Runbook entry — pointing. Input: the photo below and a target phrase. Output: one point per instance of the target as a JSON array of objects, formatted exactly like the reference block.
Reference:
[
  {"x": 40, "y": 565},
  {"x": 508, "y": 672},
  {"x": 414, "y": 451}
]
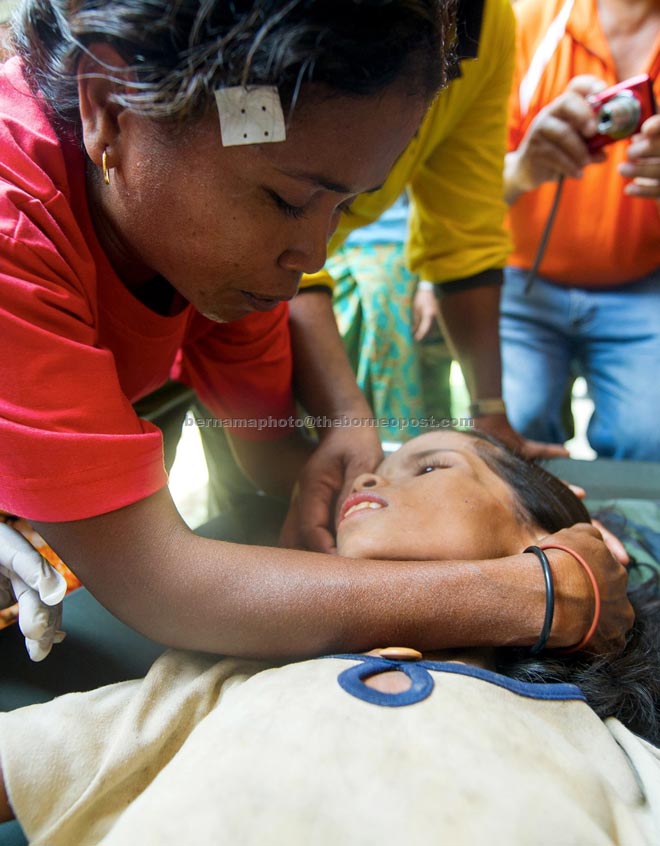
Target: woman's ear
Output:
[{"x": 99, "y": 77}]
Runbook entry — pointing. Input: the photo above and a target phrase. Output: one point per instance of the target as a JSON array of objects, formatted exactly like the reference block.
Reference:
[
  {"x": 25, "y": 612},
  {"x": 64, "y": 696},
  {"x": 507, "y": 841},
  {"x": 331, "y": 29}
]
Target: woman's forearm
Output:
[
  {"x": 273, "y": 466},
  {"x": 325, "y": 382},
  {"x": 349, "y": 444},
  {"x": 185, "y": 591}
]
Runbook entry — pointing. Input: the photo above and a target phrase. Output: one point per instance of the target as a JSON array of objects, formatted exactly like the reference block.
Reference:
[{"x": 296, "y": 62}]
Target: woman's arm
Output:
[
  {"x": 149, "y": 569},
  {"x": 326, "y": 386},
  {"x": 273, "y": 466},
  {"x": 470, "y": 322}
]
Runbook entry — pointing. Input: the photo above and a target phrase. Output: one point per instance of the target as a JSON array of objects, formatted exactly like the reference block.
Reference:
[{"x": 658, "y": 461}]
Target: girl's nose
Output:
[{"x": 367, "y": 480}]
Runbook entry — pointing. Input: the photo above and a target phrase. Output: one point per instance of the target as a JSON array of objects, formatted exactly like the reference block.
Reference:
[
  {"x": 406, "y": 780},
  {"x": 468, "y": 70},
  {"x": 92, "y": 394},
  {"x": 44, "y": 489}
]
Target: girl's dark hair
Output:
[
  {"x": 180, "y": 51},
  {"x": 625, "y": 686}
]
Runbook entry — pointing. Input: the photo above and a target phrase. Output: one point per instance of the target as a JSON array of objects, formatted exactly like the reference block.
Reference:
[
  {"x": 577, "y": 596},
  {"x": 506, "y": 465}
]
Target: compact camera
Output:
[{"x": 621, "y": 110}]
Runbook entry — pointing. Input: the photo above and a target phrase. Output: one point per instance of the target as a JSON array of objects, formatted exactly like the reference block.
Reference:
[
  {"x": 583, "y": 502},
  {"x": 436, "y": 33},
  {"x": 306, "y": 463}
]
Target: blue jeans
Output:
[{"x": 609, "y": 336}]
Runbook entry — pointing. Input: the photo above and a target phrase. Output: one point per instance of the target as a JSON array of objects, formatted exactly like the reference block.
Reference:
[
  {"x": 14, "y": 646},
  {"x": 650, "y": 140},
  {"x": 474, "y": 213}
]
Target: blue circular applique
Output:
[{"x": 352, "y": 681}]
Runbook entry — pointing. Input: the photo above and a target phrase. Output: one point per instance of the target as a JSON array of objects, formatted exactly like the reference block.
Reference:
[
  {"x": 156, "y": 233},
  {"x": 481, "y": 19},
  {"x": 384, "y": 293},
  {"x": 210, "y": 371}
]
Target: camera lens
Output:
[{"x": 620, "y": 116}]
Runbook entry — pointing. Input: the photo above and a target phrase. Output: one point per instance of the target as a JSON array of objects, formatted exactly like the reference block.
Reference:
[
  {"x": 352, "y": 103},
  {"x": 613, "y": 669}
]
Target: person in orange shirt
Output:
[{"x": 593, "y": 306}]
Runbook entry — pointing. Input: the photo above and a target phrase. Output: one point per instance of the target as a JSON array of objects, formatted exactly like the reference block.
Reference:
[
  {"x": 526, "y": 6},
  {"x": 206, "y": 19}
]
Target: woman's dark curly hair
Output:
[
  {"x": 625, "y": 686},
  {"x": 180, "y": 51}
]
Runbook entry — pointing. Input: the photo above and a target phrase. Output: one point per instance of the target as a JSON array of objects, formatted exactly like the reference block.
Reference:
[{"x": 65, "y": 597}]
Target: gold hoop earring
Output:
[{"x": 104, "y": 167}]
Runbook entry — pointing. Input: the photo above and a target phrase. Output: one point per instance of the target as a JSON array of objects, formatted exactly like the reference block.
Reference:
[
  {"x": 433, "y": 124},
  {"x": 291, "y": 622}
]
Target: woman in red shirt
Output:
[{"x": 168, "y": 173}]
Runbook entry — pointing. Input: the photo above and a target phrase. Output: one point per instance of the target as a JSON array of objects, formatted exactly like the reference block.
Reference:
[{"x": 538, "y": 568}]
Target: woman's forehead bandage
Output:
[{"x": 250, "y": 115}]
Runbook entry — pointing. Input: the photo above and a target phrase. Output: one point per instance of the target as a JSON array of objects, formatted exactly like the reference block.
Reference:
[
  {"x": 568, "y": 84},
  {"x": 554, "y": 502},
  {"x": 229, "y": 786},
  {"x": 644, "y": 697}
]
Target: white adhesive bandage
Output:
[{"x": 250, "y": 115}]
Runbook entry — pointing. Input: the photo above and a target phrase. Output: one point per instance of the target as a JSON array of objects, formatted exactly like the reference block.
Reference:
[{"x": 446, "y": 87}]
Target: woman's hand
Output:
[
  {"x": 613, "y": 543},
  {"x": 326, "y": 388},
  {"x": 26, "y": 577},
  {"x": 574, "y": 607},
  {"x": 343, "y": 454}
]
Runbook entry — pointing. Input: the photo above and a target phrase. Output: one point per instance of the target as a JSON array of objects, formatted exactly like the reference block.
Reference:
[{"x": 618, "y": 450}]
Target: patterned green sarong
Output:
[{"x": 403, "y": 380}]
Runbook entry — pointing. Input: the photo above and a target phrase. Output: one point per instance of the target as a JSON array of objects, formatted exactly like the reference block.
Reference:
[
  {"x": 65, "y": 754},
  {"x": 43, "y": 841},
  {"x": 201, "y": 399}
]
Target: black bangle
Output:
[{"x": 539, "y": 646}]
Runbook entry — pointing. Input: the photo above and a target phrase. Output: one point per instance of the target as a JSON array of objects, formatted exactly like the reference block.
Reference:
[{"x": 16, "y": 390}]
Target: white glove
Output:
[{"x": 38, "y": 588}]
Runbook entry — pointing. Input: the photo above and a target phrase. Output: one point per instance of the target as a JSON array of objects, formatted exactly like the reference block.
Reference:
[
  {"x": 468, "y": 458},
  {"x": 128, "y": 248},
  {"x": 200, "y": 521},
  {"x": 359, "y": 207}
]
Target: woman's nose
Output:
[
  {"x": 309, "y": 250},
  {"x": 367, "y": 480},
  {"x": 306, "y": 260}
]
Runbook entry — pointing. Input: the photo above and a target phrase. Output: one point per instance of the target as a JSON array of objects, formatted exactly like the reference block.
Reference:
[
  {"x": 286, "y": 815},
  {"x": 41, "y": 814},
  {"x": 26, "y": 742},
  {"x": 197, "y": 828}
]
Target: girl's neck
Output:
[{"x": 483, "y": 657}]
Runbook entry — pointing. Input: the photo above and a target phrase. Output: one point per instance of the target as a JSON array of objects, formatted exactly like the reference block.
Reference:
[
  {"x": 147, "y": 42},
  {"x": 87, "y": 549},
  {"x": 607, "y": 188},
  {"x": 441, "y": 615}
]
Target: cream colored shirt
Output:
[{"x": 230, "y": 752}]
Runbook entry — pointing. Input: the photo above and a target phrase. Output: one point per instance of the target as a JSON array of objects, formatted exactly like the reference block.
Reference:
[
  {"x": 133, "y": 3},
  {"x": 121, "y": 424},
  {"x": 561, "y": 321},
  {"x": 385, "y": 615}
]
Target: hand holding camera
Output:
[{"x": 572, "y": 131}]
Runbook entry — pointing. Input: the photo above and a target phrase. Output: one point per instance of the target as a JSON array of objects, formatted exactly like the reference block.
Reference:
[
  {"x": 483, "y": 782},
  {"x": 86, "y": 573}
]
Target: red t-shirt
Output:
[{"x": 79, "y": 348}]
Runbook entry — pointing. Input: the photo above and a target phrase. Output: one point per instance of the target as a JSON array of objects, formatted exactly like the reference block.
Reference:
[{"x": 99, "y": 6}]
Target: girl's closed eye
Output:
[{"x": 428, "y": 465}]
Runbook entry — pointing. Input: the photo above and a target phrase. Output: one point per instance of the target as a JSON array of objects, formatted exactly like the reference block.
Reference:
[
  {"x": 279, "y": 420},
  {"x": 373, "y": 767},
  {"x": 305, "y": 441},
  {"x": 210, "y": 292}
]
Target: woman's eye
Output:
[{"x": 287, "y": 208}]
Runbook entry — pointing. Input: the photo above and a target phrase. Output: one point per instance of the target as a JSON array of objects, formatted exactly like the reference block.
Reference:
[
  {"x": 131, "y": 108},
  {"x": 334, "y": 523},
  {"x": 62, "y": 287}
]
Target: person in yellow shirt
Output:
[{"x": 452, "y": 171}]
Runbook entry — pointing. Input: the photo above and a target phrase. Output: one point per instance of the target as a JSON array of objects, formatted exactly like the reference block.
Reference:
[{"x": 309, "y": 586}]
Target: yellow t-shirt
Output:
[{"x": 452, "y": 169}]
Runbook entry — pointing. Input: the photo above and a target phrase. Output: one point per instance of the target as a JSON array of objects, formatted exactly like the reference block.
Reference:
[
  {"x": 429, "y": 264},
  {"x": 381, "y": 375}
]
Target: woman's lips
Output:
[
  {"x": 261, "y": 303},
  {"x": 358, "y": 502}
]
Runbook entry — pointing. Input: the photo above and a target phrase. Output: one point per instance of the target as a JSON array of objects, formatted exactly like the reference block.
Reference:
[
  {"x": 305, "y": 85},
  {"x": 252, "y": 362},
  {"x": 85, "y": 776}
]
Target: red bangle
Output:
[{"x": 587, "y": 569}]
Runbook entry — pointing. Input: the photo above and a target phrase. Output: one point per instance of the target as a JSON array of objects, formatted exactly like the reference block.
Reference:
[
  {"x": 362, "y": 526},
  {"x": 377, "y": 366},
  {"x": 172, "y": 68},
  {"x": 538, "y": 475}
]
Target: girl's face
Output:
[
  {"x": 234, "y": 228},
  {"x": 435, "y": 498}
]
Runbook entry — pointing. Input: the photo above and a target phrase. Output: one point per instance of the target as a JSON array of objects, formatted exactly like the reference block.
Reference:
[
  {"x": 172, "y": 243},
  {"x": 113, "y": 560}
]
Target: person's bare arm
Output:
[
  {"x": 323, "y": 378},
  {"x": 273, "y": 465},
  {"x": 151, "y": 571},
  {"x": 326, "y": 386},
  {"x": 470, "y": 321}
]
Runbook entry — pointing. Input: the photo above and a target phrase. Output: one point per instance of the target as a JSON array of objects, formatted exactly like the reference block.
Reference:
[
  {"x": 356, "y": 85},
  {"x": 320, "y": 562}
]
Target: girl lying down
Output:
[{"x": 391, "y": 747}]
